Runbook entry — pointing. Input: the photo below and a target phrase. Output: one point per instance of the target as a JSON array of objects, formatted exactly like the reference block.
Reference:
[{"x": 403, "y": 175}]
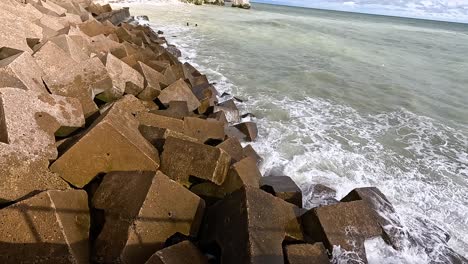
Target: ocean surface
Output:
[{"x": 346, "y": 100}]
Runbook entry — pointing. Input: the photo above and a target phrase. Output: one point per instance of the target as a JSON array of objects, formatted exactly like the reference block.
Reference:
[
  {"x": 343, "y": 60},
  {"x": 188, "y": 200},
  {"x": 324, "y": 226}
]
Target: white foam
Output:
[{"x": 424, "y": 174}]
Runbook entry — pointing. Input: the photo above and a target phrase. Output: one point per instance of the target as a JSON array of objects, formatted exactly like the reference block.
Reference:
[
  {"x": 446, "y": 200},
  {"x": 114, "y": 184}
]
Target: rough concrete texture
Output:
[
  {"x": 29, "y": 120},
  {"x": 112, "y": 143},
  {"x": 125, "y": 79},
  {"x": 306, "y": 254},
  {"x": 51, "y": 227},
  {"x": 182, "y": 159},
  {"x": 21, "y": 71},
  {"x": 182, "y": 253},
  {"x": 141, "y": 212},
  {"x": 177, "y": 91}
]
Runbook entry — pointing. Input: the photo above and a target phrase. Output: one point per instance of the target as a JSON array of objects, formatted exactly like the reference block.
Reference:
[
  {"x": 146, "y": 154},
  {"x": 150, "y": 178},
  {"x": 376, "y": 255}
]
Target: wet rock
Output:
[
  {"x": 258, "y": 223},
  {"x": 282, "y": 187},
  {"x": 182, "y": 159},
  {"x": 249, "y": 151},
  {"x": 249, "y": 129},
  {"x": 306, "y": 254},
  {"x": 174, "y": 51},
  {"x": 112, "y": 143},
  {"x": 232, "y": 147},
  {"x": 203, "y": 129},
  {"x": 30, "y": 120},
  {"x": 192, "y": 70},
  {"x": 346, "y": 225},
  {"x": 141, "y": 206},
  {"x": 386, "y": 214},
  {"x": 230, "y": 110},
  {"x": 179, "y": 91},
  {"x": 182, "y": 253},
  {"x": 234, "y": 132},
  {"x": 242, "y": 173},
  {"x": 220, "y": 116},
  {"x": 125, "y": 79},
  {"x": 115, "y": 17},
  {"x": 21, "y": 71},
  {"x": 50, "y": 227},
  {"x": 321, "y": 195}
]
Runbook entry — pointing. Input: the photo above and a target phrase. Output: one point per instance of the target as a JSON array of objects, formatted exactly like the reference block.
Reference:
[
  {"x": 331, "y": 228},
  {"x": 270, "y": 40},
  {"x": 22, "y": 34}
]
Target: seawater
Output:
[{"x": 346, "y": 100}]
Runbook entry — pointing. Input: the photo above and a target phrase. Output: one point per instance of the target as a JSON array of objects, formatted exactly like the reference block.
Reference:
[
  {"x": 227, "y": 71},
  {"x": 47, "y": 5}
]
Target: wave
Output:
[{"x": 420, "y": 164}]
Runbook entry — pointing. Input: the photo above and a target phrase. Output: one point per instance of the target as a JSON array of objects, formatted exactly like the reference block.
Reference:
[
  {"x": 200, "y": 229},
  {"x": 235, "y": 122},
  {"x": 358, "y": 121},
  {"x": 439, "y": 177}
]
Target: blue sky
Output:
[{"x": 448, "y": 10}]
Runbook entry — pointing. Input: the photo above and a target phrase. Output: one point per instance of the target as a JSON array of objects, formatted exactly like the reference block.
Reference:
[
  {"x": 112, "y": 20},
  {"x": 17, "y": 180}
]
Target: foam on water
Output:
[{"x": 419, "y": 163}]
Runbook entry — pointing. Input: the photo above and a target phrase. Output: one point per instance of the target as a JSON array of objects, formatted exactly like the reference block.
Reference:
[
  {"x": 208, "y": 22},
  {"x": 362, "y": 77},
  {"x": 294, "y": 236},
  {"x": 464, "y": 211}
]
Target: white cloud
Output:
[{"x": 450, "y": 10}]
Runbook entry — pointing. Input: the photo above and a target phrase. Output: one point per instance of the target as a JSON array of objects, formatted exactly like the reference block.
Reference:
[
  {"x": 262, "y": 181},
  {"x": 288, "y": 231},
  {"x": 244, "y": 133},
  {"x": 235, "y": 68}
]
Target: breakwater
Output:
[{"x": 154, "y": 149}]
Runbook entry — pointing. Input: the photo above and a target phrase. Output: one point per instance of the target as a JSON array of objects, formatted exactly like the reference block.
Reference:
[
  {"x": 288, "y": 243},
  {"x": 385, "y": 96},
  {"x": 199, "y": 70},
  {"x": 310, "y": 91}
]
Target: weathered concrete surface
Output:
[
  {"x": 67, "y": 44},
  {"x": 182, "y": 253},
  {"x": 155, "y": 120},
  {"x": 306, "y": 254},
  {"x": 346, "y": 225},
  {"x": 234, "y": 148},
  {"x": 242, "y": 173},
  {"x": 176, "y": 109},
  {"x": 115, "y": 17},
  {"x": 152, "y": 82},
  {"x": 51, "y": 227},
  {"x": 182, "y": 159},
  {"x": 179, "y": 91},
  {"x": 282, "y": 187},
  {"x": 249, "y": 129},
  {"x": 22, "y": 174},
  {"x": 112, "y": 143},
  {"x": 29, "y": 120},
  {"x": 66, "y": 77},
  {"x": 17, "y": 27},
  {"x": 230, "y": 110},
  {"x": 125, "y": 79},
  {"x": 203, "y": 129},
  {"x": 386, "y": 214},
  {"x": 21, "y": 71},
  {"x": 249, "y": 151},
  {"x": 250, "y": 226},
  {"x": 142, "y": 210}
]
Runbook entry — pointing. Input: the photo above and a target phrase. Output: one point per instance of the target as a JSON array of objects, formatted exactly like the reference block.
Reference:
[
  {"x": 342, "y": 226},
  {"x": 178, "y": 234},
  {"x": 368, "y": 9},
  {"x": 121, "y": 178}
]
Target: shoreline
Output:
[{"x": 175, "y": 136}]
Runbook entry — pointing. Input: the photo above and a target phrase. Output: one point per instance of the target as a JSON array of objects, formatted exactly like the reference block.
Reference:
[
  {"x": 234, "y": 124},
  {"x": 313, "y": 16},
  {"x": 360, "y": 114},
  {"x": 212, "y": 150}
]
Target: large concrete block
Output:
[
  {"x": 230, "y": 110},
  {"x": 176, "y": 109},
  {"x": 387, "y": 217},
  {"x": 22, "y": 174},
  {"x": 21, "y": 71},
  {"x": 204, "y": 129},
  {"x": 125, "y": 79},
  {"x": 234, "y": 148},
  {"x": 30, "y": 120},
  {"x": 179, "y": 91},
  {"x": 346, "y": 225},
  {"x": 153, "y": 80},
  {"x": 160, "y": 121},
  {"x": 16, "y": 28},
  {"x": 182, "y": 159},
  {"x": 74, "y": 50},
  {"x": 66, "y": 77},
  {"x": 51, "y": 227},
  {"x": 112, "y": 143},
  {"x": 93, "y": 28},
  {"x": 282, "y": 187},
  {"x": 306, "y": 254},
  {"x": 250, "y": 226},
  {"x": 242, "y": 173},
  {"x": 249, "y": 129},
  {"x": 142, "y": 210},
  {"x": 182, "y": 253}
]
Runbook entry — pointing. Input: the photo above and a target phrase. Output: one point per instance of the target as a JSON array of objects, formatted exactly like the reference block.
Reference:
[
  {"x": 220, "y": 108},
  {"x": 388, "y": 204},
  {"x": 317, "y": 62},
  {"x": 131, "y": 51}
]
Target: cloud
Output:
[{"x": 449, "y": 10}]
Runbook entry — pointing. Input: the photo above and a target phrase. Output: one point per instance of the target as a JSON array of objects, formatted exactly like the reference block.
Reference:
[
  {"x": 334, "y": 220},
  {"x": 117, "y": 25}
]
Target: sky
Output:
[{"x": 446, "y": 10}]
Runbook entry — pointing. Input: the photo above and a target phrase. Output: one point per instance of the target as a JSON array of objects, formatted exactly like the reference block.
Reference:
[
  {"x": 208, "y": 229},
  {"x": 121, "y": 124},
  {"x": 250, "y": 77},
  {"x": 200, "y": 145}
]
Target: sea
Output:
[{"x": 345, "y": 100}]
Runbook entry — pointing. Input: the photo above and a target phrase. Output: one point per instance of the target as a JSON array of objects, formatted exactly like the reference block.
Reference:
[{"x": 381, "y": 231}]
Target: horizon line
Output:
[{"x": 266, "y": 2}]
